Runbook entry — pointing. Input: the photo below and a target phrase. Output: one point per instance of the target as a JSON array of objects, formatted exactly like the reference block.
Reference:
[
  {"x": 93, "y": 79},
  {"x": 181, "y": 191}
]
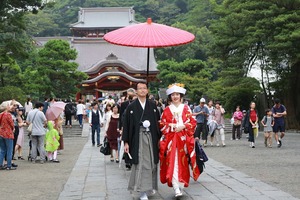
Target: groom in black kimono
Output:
[{"x": 141, "y": 135}]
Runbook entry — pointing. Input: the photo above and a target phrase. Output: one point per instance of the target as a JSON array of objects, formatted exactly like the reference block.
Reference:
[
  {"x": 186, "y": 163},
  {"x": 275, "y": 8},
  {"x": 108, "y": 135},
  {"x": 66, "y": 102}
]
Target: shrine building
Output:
[{"x": 109, "y": 67}]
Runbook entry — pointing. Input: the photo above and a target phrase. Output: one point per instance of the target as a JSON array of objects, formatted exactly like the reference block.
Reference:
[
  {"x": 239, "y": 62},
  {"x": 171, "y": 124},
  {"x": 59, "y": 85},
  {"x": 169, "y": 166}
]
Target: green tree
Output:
[
  {"x": 201, "y": 12},
  {"x": 41, "y": 24},
  {"x": 195, "y": 74},
  {"x": 198, "y": 49},
  {"x": 54, "y": 73},
  {"x": 263, "y": 33},
  {"x": 14, "y": 42},
  {"x": 9, "y": 72},
  {"x": 232, "y": 89},
  {"x": 12, "y": 92}
]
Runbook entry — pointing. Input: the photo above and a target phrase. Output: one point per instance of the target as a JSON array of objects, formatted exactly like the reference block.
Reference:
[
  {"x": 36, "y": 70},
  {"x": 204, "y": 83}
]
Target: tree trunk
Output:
[
  {"x": 292, "y": 99},
  {"x": 262, "y": 70}
]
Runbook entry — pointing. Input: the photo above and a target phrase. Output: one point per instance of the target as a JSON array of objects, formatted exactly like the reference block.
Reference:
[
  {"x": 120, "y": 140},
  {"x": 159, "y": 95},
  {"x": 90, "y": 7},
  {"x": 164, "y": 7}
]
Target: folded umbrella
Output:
[
  {"x": 121, "y": 153},
  {"x": 212, "y": 126}
]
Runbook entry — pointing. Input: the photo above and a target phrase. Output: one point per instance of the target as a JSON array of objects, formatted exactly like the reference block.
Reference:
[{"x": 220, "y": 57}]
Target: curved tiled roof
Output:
[
  {"x": 98, "y": 17},
  {"x": 105, "y": 74},
  {"x": 91, "y": 55}
]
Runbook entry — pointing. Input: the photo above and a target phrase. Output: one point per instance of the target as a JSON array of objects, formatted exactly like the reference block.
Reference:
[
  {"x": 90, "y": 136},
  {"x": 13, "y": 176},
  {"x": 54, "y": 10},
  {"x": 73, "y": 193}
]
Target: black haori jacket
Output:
[{"x": 131, "y": 127}]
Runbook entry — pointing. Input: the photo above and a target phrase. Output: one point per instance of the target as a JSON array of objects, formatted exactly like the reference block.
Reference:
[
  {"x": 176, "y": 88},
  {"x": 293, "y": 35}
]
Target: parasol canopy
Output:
[
  {"x": 149, "y": 35},
  {"x": 55, "y": 110}
]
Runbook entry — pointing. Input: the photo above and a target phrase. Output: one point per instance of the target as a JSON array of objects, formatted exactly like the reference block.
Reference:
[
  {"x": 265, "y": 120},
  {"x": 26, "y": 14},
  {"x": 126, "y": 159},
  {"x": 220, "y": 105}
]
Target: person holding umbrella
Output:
[{"x": 177, "y": 143}]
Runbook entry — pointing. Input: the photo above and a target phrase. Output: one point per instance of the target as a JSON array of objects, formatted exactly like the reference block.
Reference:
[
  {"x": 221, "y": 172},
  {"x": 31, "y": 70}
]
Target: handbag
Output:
[
  {"x": 201, "y": 156},
  {"x": 237, "y": 122},
  {"x": 105, "y": 148},
  {"x": 29, "y": 129}
]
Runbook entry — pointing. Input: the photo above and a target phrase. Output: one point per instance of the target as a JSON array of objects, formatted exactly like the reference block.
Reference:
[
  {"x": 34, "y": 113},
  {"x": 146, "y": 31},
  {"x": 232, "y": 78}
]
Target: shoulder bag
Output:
[{"x": 29, "y": 129}]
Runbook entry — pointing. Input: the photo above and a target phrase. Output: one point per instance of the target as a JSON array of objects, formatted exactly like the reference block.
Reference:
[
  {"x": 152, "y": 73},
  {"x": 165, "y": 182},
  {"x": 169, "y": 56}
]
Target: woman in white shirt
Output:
[
  {"x": 108, "y": 112},
  {"x": 28, "y": 106},
  {"x": 79, "y": 111}
]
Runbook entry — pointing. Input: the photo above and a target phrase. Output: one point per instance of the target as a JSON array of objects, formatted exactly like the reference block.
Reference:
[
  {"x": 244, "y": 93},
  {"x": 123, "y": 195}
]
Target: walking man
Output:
[
  {"x": 201, "y": 112},
  {"x": 38, "y": 120},
  {"x": 141, "y": 135},
  {"x": 96, "y": 121},
  {"x": 279, "y": 111}
]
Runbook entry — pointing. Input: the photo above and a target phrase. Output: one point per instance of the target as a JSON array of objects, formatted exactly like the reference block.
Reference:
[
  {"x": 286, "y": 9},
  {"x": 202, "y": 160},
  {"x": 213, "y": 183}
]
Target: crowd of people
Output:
[
  {"x": 177, "y": 127},
  {"x": 248, "y": 122},
  {"x": 153, "y": 132},
  {"x": 45, "y": 136}
]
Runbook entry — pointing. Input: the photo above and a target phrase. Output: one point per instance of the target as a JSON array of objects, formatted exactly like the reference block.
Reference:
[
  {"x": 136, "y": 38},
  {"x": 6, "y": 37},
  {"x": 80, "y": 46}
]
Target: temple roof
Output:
[
  {"x": 95, "y": 52},
  {"x": 104, "y": 17},
  {"x": 91, "y": 55},
  {"x": 106, "y": 74}
]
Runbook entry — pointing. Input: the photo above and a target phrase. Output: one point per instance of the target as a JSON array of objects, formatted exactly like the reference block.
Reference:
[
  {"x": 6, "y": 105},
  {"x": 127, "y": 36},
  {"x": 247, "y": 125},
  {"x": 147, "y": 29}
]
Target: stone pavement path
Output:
[{"x": 95, "y": 177}]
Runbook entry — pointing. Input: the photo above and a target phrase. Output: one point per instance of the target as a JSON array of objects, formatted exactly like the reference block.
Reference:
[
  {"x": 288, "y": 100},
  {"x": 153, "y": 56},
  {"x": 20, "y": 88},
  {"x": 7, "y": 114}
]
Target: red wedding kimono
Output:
[{"x": 182, "y": 141}]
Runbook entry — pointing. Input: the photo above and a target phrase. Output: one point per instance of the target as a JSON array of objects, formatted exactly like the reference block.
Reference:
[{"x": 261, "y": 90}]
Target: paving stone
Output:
[{"x": 95, "y": 177}]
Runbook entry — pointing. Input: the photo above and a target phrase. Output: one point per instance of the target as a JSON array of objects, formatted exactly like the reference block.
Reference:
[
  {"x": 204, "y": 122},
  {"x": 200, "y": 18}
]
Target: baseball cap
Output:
[{"x": 202, "y": 100}]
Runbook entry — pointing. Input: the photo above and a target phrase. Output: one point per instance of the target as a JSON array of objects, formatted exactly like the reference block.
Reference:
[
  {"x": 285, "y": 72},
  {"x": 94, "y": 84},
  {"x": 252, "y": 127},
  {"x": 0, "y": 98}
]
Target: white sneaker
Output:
[
  {"x": 143, "y": 196},
  {"x": 151, "y": 192},
  {"x": 218, "y": 145},
  {"x": 178, "y": 193}
]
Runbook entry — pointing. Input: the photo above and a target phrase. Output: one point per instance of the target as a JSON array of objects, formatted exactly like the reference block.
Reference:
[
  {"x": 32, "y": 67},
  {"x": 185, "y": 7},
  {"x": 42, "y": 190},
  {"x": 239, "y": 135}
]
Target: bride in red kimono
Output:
[{"x": 177, "y": 142}]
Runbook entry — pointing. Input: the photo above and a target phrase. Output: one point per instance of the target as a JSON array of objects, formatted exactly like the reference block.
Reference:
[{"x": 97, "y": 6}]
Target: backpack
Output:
[{"x": 265, "y": 119}]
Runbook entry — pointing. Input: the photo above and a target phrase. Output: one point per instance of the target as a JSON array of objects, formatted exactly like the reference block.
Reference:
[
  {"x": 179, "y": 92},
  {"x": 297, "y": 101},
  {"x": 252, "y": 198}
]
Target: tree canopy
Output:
[
  {"x": 232, "y": 37},
  {"x": 52, "y": 72},
  {"x": 263, "y": 33}
]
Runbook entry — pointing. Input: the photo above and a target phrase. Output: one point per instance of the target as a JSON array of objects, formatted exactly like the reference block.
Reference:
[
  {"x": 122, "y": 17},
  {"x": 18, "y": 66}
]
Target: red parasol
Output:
[{"x": 149, "y": 35}]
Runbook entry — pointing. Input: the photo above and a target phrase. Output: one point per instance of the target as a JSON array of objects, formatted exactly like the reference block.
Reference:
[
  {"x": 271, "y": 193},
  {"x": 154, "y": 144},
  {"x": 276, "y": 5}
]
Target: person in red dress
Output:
[
  {"x": 112, "y": 131},
  {"x": 253, "y": 120},
  {"x": 177, "y": 142}
]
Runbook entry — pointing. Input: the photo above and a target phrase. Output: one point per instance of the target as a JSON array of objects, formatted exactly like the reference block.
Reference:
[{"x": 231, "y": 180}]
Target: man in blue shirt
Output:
[
  {"x": 201, "y": 112},
  {"x": 279, "y": 111}
]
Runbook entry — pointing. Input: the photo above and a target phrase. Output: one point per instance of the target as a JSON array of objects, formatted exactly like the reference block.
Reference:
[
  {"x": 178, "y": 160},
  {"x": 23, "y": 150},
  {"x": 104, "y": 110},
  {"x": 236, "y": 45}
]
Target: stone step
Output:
[
  {"x": 228, "y": 126},
  {"x": 75, "y": 131}
]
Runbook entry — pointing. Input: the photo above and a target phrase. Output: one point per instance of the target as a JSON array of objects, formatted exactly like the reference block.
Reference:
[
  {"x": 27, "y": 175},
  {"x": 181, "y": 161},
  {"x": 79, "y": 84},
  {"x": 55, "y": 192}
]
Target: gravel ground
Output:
[
  {"x": 278, "y": 167},
  {"x": 40, "y": 181}
]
